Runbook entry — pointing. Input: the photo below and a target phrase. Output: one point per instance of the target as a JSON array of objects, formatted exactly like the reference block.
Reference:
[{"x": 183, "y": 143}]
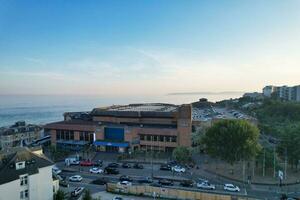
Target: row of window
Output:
[
  {"x": 86, "y": 136},
  {"x": 69, "y": 135},
  {"x": 64, "y": 135},
  {"x": 160, "y": 138}
]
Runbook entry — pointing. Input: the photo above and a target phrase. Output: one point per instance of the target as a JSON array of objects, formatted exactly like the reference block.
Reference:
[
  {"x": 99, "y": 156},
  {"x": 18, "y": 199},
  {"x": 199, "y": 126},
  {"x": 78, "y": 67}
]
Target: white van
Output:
[{"x": 71, "y": 161}]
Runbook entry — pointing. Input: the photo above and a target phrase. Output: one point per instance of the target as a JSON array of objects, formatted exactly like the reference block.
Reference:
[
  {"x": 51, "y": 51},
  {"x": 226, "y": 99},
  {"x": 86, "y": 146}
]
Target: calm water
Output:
[{"x": 45, "y": 109}]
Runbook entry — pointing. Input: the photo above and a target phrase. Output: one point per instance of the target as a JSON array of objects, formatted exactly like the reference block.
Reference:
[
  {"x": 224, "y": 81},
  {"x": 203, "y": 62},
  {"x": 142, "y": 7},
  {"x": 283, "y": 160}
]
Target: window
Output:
[
  {"x": 154, "y": 137},
  {"x": 24, "y": 194},
  {"x": 24, "y": 180},
  {"x": 67, "y": 135},
  {"x": 71, "y": 135},
  {"x": 173, "y": 139},
  {"x": 81, "y": 136},
  {"x": 91, "y": 137},
  {"x": 142, "y": 137},
  {"x": 148, "y": 137},
  {"x": 58, "y": 137},
  {"x": 168, "y": 139},
  {"x": 161, "y": 138}
]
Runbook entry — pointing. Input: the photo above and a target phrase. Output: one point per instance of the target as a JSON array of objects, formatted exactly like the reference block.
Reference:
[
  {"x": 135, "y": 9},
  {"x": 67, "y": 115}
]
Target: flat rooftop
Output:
[
  {"x": 151, "y": 107},
  {"x": 157, "y": 110}
]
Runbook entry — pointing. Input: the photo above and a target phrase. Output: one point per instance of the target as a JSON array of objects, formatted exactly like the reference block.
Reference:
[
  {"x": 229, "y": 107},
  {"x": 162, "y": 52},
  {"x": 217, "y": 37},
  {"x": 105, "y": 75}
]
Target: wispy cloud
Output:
[{"x": 35, "y": 60}]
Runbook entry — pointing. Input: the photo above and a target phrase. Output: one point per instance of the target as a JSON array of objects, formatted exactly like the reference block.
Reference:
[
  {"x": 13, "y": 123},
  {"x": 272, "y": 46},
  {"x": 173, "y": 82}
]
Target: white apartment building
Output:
[
  {"x": 25, "y": 176},
  {"x": 285, "y": 93},
  {"x": 268, "y": 90}
]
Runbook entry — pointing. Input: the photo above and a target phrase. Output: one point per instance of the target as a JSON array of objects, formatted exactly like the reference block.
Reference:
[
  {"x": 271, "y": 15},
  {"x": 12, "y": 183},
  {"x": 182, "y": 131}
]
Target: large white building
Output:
[
  {"x": 268, "y": 90},
  {"x": 25, "y": 175},
  {"x": 285, "y": 93}
]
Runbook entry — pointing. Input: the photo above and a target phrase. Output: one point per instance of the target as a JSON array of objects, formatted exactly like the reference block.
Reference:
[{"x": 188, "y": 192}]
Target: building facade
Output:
[
  {"x": 284, "y": 93},
  {"x": 25, "y": 175},
  {"x": 156, "y": 127},
  {"x": 268, "y": 90},
  {"x": 19, "y": 134}
]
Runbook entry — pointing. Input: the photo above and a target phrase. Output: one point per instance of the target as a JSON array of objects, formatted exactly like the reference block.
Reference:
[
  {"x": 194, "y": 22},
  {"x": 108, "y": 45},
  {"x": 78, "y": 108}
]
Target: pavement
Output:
[{"x": 109, "y": 196}]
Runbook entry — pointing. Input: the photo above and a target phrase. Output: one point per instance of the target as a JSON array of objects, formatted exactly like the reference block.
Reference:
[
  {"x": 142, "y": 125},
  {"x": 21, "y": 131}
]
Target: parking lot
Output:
[{"x": 136, "y": 175}]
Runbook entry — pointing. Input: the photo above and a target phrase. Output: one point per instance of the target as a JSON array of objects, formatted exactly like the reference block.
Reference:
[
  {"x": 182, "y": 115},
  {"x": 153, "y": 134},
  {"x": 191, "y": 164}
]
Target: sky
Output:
[{"x": 147, "y": 47}]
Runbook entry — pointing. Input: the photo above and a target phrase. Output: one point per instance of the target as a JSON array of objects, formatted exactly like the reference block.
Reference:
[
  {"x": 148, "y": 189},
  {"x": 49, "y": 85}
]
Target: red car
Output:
[{"x": 86, "y": 163}]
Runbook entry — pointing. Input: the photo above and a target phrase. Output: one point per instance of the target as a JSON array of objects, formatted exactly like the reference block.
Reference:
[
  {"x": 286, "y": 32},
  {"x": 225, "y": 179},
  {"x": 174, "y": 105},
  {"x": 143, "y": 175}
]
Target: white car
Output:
[
  {"x": 231, "y": 188},
  {"x": 77, "y": 191},
  {"x": 75, "y": 178},
  {"x": 56, "y": 170},
  {"x": 96, "y": 170},
  {"x": 125, "y": 183},
  {"x": 178, "y": 169},
  {"x": 206, "y": 185},
  {"x": 117, "y": 198}
]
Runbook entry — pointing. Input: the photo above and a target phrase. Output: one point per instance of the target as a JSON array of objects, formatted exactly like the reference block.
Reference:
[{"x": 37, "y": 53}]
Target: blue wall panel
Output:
[{"x": 114, "y": 134}]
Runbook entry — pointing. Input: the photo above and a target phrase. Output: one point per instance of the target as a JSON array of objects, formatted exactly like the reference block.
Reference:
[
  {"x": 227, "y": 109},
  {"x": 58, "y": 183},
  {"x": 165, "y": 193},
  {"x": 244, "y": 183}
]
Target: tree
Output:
[
  {"x": 182, "y": 154},
  {"x": 87, "y": 195},
  {"x": 232, "y": 140},
  {"x": 60, "y": 195},
  {"x": 289, "y": 146}
]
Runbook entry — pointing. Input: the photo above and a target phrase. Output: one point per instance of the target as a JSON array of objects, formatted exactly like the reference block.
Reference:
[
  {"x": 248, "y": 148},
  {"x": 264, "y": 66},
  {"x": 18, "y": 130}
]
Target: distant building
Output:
[
  {"x": 268, "y": 90},
  {"x": 19, "y": 134},
  {"x": 119, "y": 128},
  {"x": 285, "y": 93},
  {"x": 25, "y": 175},
  {"x": 254, "y": 95}
]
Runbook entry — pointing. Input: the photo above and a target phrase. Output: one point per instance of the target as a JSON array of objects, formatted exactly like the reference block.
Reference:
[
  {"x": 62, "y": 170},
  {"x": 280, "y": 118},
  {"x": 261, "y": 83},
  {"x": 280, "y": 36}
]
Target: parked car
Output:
[
  {"x": 56, "y": 170},
  {"x": 172, "y": 163},
  {"x": 206, "y": 185},
  {"x": 110, "y": 170},
  {"x": 72, "y": 161},
  {"x": 165, "y": 167},
  {"x": 113, "y": 165},
  {"x": 96, "y": 170},
  {"x": 126, "y": 165},
  {"x": 77, "y": 191},
  {"x": 62, "y": 181},
  {"x": 100, "y": 181},
  {"x": 86, "y": 163},
  {"x": 145, "y": 180},
  {"x": 138, "y": 166},
  {"x": 98, "y": 163},
  {"x": 187, "y": 183},
  {"x": 178, "y": 169},
  {"x": 117, "y": 198},
  {"x": 165, "y": 182},
  {"x": 75, "y": 178},
  {"x": 231, "y": 188},
  {"x": 125, "y": 178},
  {"x": 125, "y": 183}
]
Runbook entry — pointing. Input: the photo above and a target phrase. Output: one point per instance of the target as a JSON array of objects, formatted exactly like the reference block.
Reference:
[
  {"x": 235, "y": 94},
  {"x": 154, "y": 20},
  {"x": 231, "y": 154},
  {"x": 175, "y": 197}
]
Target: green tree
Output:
[
  {"x": 232, "y": 140},
  {"x": 60, "y": 195},
  {"x": 87, "y": 195},
  {"x": 290, "y": 145},
  {"x": 182, "y": 154}
]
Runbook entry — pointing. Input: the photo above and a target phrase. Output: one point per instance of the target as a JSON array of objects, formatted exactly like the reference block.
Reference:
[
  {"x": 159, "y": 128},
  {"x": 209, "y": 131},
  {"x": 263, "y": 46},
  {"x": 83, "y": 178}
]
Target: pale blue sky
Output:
[{"x": 147, "y": 47}]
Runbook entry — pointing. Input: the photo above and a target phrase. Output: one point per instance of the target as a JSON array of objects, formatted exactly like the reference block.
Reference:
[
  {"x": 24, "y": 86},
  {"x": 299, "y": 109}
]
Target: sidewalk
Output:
[{"x": 109, "y": 196}]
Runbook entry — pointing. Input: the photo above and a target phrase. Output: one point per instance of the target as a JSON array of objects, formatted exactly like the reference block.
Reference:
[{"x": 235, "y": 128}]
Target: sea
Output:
[{"x": 43, "y": 109}]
